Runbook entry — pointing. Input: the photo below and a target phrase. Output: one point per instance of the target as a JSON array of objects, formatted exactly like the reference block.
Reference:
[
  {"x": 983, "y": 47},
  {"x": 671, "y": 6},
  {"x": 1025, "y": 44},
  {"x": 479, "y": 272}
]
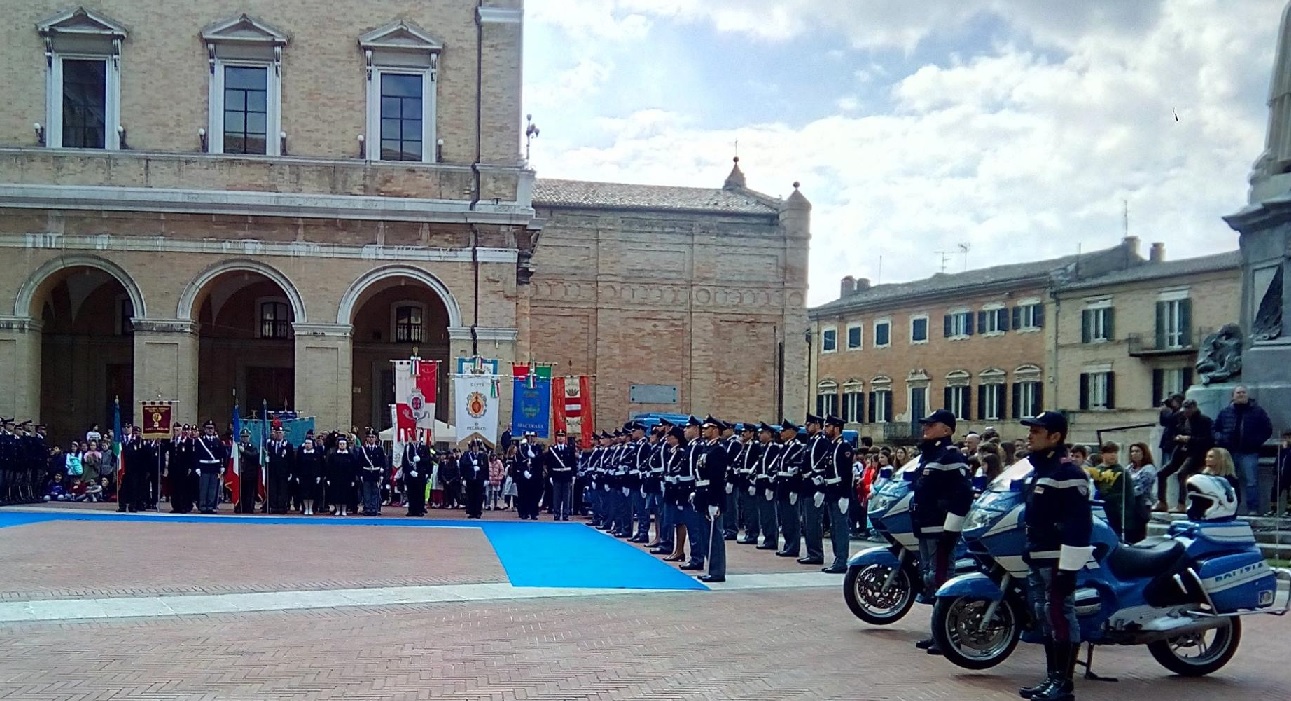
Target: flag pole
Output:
[{"x": 264, "y": 468}]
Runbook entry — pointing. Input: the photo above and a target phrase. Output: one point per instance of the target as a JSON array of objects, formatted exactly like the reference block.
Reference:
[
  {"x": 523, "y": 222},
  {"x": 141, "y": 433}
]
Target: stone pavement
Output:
[{"x": 791, "y": 642}]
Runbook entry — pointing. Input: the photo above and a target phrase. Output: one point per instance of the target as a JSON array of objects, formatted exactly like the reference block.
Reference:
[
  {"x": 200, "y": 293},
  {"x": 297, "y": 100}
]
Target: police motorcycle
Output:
[
  {"x": 883, "y": 582},
  {"x": 1182, "y": 595}
]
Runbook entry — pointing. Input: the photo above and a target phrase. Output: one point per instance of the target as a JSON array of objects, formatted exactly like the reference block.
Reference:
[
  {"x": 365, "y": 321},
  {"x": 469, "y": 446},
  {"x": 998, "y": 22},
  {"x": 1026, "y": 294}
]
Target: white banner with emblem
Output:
[{"x": 477, "y": 403}]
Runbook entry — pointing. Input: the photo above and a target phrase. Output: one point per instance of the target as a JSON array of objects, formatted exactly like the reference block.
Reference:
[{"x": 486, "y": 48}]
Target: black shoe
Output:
[
  {"x": 926, "y": 643},
  {"x": 1061, "y": 687},
  {"x": 769, "y": 547},
  {"x": 834, "y": 569},
  {"x": 710, "y": 579},
  {"x": 1051, "y": 666},
  {"x": 693, "y": 566},
  {"x": 811, "y": 560},
  {"x": 934, "y": 650},
  {"x": 730, "y": 536},
  {"x": 660, "y": 550},
  {"x": 746, "y": 541},
  {"x": 786, "y": 553}
]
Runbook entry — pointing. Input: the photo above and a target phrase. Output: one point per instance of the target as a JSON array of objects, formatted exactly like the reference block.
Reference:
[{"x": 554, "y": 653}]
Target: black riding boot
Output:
[
  {"x": 1050, "y": 669},
  {"x": 1063, "y": 686}
]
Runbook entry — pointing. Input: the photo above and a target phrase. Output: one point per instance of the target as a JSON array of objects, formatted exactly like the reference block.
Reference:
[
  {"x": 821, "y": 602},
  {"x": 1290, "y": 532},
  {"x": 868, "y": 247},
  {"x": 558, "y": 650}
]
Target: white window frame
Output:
[
  {"x": 861, "y": 344},
  {"x": 994, "y": 312},
  {"x": 1027, "y": 391},
  {"x": 259, "y": 311},
  {"x": 927, "y": 331},
  {"x": 394, "y": 320},
  {"x": 959, "y": 320},
  {"x": 1098, "y": 390},
  {"x": 1097, "y": 306},
  {"x": 70, "y": 36},
  {"x": 853, "y": 390},
  {"x": 1174, "y": 330},
  {"x": 991, "y": 384},
  {"x": 394, "y": 49},
  {"x": 828, "y": 330},
  {"x": 1172, "y": 381},
  {"x": 881, "y": 387},
  {"x": 826, "y": 388},
  {"x": 243, "y": 41},
  {"x": 1028, "y": 306},
  {"x": 885, "y": 321}
]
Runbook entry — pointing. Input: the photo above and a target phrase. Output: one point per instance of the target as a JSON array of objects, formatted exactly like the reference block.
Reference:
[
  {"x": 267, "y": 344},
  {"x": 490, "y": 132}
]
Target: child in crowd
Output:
[{"x": 56, "y": 491}]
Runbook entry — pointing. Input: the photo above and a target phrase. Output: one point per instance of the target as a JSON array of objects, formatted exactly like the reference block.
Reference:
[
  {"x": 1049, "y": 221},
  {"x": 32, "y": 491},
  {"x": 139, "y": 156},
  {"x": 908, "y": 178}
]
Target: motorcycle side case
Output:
[
  {"x": 1242, "y": 581},
  {"x": 975, "y": 585},
  {"x": 877, "y": 555}
]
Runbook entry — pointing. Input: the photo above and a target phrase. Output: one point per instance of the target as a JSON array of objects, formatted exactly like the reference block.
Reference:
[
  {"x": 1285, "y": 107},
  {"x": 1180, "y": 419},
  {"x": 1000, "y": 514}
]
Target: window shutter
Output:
[
  {"x": 1084, "y": 391},
  {"x": 1003, "y": 316},
  {"x": 871, "y": 414},
  {"x": 860, "y": 407},
  {"x": 981, "y": 399},
  {"x": 1017, "y": 400},
  {"x": 1039, "y": 399},
  {"x": 887, "y": 406},
  {"x": 1185, "y": 322},
  {"x": 968, "y": 324},
  {"x": 1111, "y": 390},
  {"x": 945, "y": 399},
  {"x": 1187, "y": 378},
  {"x": 1039, "y": 316},
  {"x": 981, "y": 321},
  {"x": 1086, "y": 332},
  {"x": 1162, "y": 309},
  {"x": 1111, "y": 324},
  {"x": 1017, "y": 317},
  {"x": 1158, "y": 383},
  {"x": 945, "y": 326},
  {"x": 967, "y": 404}
]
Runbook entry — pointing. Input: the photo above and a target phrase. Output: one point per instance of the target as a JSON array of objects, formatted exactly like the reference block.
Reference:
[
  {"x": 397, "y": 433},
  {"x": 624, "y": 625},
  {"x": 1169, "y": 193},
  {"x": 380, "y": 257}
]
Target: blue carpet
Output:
[{"x": 533, "y": 553}]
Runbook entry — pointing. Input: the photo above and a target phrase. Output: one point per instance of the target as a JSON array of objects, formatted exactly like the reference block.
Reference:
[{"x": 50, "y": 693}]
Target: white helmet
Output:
[{"x": 1210, "y": 498}]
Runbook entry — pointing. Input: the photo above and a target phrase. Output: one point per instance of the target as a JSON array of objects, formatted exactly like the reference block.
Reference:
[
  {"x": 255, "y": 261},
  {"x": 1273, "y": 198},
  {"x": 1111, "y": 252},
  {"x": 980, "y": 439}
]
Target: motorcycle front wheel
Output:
[
  {"x": 1199, "y": 654},
  {"x": 967, "y": 638},
  {"x": 869, "y": 601}
]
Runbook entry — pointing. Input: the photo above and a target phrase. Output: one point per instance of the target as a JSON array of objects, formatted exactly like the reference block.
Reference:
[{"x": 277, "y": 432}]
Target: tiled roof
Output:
[
  {"x": 1229, "y": 260},
  {"x": 945, "y": 283},
  {"x": 579, "y": 193}
]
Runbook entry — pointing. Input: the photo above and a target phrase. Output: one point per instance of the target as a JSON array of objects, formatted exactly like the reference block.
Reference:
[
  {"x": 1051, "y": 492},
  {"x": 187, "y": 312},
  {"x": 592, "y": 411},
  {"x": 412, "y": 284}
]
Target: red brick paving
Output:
[
  {"x": 761, "y": 645},
  {"x": 75, "y": 559}
]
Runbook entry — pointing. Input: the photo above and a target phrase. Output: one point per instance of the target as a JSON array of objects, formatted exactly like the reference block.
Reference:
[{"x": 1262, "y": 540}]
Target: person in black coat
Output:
[
  {"x": 342, "y": 473},
  {"x": 418, "y": 461},
  {"x": 248, "y": 474},
  {"x": 474, "y": 469},
  {"x": 1194, "y": 437},
  {"x": 310, "y": 473},
  {"x": 528, "y": 477},
  {"x": 280, "y": 458}
]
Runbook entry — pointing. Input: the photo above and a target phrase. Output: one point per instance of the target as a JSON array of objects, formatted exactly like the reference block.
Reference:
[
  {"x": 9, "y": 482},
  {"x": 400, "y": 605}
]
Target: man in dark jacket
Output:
[
  {"x": 1169, "y": 421},
  {"x": 1242, "y": 428},
  {"x": 1194, "y": 436}
]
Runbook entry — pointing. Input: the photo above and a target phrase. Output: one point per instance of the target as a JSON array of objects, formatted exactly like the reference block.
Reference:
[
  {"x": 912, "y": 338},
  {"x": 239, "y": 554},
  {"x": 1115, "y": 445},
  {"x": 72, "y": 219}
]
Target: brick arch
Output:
[
  {"x": 22, "y": 305},
  {"x": 349, "y": 300},
  {"x": 188, "y": 300}
]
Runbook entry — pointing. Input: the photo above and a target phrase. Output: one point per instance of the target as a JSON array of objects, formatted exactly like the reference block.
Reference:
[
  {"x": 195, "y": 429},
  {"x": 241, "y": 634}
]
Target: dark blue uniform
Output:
[
  {"x": 561, "y": 461},
  {"x": 943, "y": 494},
  {"x": 1059, "y": 523},
  {"x": 710, "y": 492}
]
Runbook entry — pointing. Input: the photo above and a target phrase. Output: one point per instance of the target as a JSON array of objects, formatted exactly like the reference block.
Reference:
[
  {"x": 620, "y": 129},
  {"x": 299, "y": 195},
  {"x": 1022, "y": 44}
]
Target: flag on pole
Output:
[
  {"x": 416, "y": 387},
  {"x": 116, "y": 435},
  {"x": 531, "y": 399},
  {"x": 264, "y": 436},
  {"x": 572, "y": 410},
  {"x": 476, "y": 407},
  {"x": 234, "y": 481}
]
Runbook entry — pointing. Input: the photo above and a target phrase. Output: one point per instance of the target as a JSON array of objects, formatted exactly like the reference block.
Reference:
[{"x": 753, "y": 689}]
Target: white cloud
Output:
[{"x": 1021, "y": 150}]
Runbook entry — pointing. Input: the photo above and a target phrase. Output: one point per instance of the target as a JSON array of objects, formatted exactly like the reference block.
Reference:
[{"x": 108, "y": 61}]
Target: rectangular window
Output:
[
  {"x": 1028, "y": 317},
  {"x": 882, "y": 334},
  {"x": 1030, "y": 397},
  {"x": 993, "y": 321},
  {"x": 407, "y": 325},
  {"x": 827, "y": 404},
  {"x": 246, "y": 110},
  {"x": 1174, "y": 317},
  {"x": 828, "y": 340},
  {"x": 990, "y": 402},
  {"x": 85, "y": 103},
  {"x": 958, "y": 324},
  {"x": 854, "y": 337},
  {"x": 919, "y": 329},
  {"x": 1096, "y": 325},
  {"x": 275, "y": 320},
  {"x": 401, "y": 116},
  {"x": 1169, "y": 381},
  {"x": 880, "y": 406},
  {"x": 1097, "y": 391},
  {"x": 958, "y": 399},
  {"x": 852, "y": 406}
]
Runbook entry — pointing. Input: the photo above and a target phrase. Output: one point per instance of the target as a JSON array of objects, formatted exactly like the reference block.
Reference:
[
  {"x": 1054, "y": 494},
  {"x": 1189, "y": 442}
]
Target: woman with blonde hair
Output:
[{"x": 1212, "y": 494}]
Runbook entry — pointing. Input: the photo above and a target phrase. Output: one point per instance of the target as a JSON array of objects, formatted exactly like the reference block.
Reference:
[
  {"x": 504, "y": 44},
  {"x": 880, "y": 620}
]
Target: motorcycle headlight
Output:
[{"x": 977, "y": 518}]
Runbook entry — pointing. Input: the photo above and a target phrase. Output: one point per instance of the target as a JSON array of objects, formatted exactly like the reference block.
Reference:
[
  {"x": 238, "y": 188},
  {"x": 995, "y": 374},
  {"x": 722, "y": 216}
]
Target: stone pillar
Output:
[
  {"x": 324, "y": 373},
  {"x": 20, "y": 368},
  {"x": 493, "y": 343},
  {"x": 166, "y": 364}
]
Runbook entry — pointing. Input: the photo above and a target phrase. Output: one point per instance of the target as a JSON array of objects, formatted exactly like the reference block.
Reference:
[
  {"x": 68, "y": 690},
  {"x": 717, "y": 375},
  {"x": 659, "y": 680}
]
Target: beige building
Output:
[
  {"x": 1127, "y": 340},
  {"x": 196, "y": 202},
  {"x": 974, "y": 342}
]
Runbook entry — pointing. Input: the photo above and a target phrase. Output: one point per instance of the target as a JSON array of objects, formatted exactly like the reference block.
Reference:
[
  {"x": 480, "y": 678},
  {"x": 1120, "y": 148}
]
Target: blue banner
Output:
[
  {"x": 469, "y": 366},
  {"x": 531, "y": 406}
]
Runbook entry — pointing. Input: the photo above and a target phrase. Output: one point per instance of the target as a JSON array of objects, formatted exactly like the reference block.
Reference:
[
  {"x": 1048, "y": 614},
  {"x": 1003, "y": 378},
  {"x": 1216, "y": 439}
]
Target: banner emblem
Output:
[{"x": 476, "y": 405}]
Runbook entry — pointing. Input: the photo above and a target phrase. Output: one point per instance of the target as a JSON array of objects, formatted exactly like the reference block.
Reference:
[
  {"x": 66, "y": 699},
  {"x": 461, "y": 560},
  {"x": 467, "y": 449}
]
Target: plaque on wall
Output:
[{"x": 652, "y": 394}]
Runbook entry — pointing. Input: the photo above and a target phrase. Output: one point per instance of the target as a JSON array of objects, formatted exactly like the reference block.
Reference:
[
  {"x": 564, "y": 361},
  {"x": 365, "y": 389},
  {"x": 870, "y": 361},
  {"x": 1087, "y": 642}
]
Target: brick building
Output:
[
  {"x": 1127, "y": 340},
  {"x": 196, "y": 201},
  {"x": 883, "y": 356}
]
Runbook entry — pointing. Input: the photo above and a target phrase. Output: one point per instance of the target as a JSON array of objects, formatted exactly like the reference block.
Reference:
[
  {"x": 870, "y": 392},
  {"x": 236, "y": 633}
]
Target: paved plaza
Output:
[{"x": 96, "y": 606}]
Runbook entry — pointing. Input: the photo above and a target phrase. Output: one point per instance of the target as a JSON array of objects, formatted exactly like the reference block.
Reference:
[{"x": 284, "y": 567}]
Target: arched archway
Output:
[
  {"x": 245, "y": 312},
  {"x": 86, "y": 306},
  {"x": 392, "y": 310}
]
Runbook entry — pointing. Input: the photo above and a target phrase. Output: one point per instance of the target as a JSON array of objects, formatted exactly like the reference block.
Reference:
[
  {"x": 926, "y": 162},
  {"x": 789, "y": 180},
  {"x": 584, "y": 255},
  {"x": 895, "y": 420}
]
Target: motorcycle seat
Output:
[{"x": 1147, "y": 558}]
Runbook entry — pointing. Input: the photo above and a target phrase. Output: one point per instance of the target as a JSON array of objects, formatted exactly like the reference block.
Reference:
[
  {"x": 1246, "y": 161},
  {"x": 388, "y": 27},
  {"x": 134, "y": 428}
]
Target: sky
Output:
[{"x": 1018, "y": 130}]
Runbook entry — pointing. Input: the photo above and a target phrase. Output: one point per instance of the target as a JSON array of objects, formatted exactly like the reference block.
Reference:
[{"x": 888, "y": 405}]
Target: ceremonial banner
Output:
[
  {"x": 531, "y": 399},
  {"x": 477, "y": 407},
  {"x": 416, "y": 386},
  {"x": 232, "y": 478},
  {"x": 573, "y": 407},
  {"x": 155, "y": 420},
  {"x": 477, "y": 366}
]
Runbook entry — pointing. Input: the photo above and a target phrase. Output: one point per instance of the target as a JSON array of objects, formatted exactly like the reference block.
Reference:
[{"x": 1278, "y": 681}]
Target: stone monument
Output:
[{"x": 1264, "y": 225}]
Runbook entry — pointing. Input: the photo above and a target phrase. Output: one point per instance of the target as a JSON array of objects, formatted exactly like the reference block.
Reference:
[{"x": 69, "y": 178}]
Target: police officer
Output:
[
  {"x": 37, "y": 464},
  {"x": 528, "y": 476},
  {"x": 745, "y": 487},
  {"x": 672, "y": 530},
  {"x": 710, "y": 495},
  {"x": 652, "y": 485},
  {"x": 561, "y": 461},
  {"x": 211, "y": 456},
  {"x": 474, "y": 469},
  {"x": 8, "y": 464},
  {"x": 638, "y": 465},
  {"x": 1059, "y": 523},
  {"x": 372, "y": 465},
  {"x": 793, "y": 454},
  {"x": 248, "y": 473},
  {"x": 764, "y": 487},
  {"x": 809, "y": 473},
  {"x": 835, "y": 494},
  {"x": 601, "y": 482},
  {"x": 942, "y": 495},
  {"x": 417, "y": 462},
  {"x": 688, "y": 475},
  {"x": 279, "y": 459}
]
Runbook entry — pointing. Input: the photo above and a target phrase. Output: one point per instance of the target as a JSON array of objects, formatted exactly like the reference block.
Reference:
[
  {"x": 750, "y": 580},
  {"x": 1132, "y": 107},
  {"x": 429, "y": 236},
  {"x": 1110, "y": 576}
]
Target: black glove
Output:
[{"x": 1064, "y": 582}]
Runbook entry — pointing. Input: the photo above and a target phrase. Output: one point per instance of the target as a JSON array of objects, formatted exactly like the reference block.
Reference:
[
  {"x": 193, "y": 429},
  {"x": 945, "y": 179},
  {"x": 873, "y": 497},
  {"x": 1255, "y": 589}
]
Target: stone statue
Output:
[
  {"x": 1276, "y": 158},
  {"x": 1220, "y": 355}
]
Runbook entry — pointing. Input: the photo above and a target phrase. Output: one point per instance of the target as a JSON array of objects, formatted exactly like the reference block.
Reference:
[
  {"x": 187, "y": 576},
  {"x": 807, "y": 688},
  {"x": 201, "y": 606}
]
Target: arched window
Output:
[
  {"x": 990, "y": 396},
  {"x": 1028, "y": 392},
  {"x": 880, "y": 410},
  {"x": 958, "y": 394},
  {"x": 275, "y": 317},
  {"x": 853, "y": 402},
  {"x": 409, "y": 322},
  {"x": 827, "y": 398}
]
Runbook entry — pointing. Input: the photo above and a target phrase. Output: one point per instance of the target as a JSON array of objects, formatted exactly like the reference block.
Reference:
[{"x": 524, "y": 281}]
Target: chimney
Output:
[
  {"x": 1158, "y": 253},
  {"x": 1131, "y": 244},
  {"x": 848, "y": 286},
  {"x": 862, "y": 284}
]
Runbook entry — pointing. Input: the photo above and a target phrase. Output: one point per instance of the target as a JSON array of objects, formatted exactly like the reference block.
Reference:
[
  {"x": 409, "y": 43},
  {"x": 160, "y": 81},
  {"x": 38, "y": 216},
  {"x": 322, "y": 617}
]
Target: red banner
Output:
[
  {"x": 155, "y": 420},
  {"x": 572, "y": 407},
  {"x": 416, "y": 389}
]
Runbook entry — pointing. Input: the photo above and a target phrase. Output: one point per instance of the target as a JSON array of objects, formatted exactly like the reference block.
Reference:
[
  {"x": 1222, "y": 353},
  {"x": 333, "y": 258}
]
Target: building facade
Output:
[
  {"x": 198, "y": 204},
  {"x": 1128, "y": 340},
  {"x": 974, "y": 342}
]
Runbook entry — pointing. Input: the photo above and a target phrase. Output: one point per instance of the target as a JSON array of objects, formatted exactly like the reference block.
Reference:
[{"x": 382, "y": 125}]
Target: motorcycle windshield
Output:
[{"x": 1013, "y": 477}]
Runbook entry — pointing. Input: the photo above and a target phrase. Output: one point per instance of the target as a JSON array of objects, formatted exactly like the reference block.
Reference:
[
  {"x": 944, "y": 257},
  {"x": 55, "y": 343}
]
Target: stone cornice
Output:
[
  {"x": 463, "y": 333},
  {"x": 164, "y": 326},
  {"x": 253, "y": 204},
  {"x": 323, "y": 330},
  {"x": 500, "y": 15},
  {"x": 252, "y": 247},
  {"x": 21, "y": 324}
]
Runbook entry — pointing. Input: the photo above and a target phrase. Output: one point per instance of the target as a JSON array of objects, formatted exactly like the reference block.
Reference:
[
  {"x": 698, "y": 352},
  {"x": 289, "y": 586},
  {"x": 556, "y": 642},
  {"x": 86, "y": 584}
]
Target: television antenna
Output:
[{"x": 963, "y": 249}]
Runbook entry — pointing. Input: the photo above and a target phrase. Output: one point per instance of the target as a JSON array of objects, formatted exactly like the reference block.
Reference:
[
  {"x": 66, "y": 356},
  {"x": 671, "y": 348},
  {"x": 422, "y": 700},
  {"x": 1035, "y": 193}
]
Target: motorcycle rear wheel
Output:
[
  {"x": 863, "y": 591},
  {"x": 1212, "y": 653},
  {"x": 957, "y": 628}
]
